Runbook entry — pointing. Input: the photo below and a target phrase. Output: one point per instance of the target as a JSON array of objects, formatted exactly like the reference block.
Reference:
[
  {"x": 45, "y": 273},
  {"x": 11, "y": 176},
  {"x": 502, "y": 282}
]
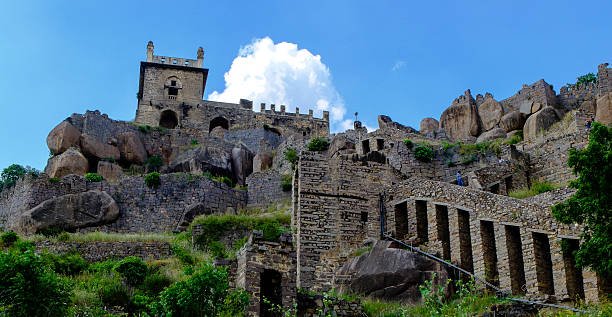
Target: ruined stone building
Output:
[{"x": 344, "y": 198}]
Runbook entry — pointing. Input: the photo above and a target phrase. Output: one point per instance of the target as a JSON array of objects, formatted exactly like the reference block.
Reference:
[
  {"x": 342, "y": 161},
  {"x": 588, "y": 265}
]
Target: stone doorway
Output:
[
  {"x": 271, "y": 290},
  {"x": 168, "y": 119}
]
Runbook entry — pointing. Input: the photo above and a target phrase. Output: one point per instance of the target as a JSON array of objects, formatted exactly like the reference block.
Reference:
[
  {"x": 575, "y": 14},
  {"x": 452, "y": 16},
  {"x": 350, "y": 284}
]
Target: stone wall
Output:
[
  {"x": 142, "y": 209},
  {"x": 310, "y": 306},
  {"x": 96, "y": 251},
  {"x": 499, "y": 238},
  {"x": 572, "y": 97},
  {"x": 539, "y": 91},
  {"x": 265, "y": 188},
  {"x": 335, "y": 210},
  {"x": 604, "y": 77}
]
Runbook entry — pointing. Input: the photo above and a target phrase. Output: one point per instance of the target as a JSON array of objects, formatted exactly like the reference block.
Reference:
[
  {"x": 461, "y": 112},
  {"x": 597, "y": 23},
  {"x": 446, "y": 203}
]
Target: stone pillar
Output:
[
  {"x": 263, "y": 107},
  {"x": 200, "y": 55},
  {"x": 272, "y": 107},
  {"x": 434, "y": 245},
  {"x": 150, "y": 51},
  {"x": 591, "y": 293},
  {"x": 297, "y": 111},
  {"x": 477, "y": 249},
  {"x": 310, "y": 113},
  {"x": 529, "y": 262},
  {"x": 503, "y": 265},
  {"x": 326, "y": 116},
  {"x": 453, "y": 228},
  {"x": 559, "y": 275},
  {"x": 283, "y": 109}
]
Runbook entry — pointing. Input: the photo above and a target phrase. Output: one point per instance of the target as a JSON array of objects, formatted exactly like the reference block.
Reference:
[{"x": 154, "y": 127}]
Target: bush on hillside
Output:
[
  {"x": 409, "y": 143},
  {"x": 423, "y": 153},
  {"x": 318, "y": 145},
  {"x": 153, "y": 180},
  {"x": 93, "y": 177},
  {"x": 132, "y": 269}
]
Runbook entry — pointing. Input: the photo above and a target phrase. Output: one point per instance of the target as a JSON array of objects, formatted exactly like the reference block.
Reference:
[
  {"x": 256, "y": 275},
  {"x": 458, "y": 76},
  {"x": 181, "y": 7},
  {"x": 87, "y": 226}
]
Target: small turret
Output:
[
  {"x": 150, "y": 51},
  {"x": 200, "y": 62}
]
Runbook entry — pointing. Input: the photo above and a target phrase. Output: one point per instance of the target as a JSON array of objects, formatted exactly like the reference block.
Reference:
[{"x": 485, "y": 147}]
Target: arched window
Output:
[
  {"x": 172, "y": 87},
  {"x": 168, "y": 119},
  {"x": 218, "y": 122}
]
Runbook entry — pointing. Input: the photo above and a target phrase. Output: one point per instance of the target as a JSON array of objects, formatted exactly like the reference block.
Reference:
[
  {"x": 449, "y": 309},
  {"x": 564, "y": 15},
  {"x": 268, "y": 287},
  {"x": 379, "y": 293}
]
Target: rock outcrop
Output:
[
  {"x": 461, "y": 119},
  {"x": 541, "y": 120},
  {"x": 131, "y": 148},
  {"x": 71, "y": 161},
  {"x": 213, "y": 159},
  {"x": 62, "y": 137},
  {"x": 262, "y": 161},
  {"x": 69, "y": 212},
  {"x": 603, "y": 113},
  {"x": 110, "y": 171},
  {"x": 242, "y": 163},
  {"x": 92, "y": 146},
  {"x": 491, "y": 135},
  {"x": 512, "y": 121},
  {"x": 429, "y": 125},
  {"x": 391, "y": 274},
  {"x": 341, "y": 144},
  {"x": 385, "y": 122},
  {"x": 490, "y": 112}
]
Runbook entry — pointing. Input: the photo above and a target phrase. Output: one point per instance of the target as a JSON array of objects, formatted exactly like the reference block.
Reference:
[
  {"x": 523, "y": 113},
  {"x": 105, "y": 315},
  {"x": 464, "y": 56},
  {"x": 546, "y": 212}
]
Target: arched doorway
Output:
[
  {"x": 218, "y": 122},
  {"x": 168, "y": 119}
]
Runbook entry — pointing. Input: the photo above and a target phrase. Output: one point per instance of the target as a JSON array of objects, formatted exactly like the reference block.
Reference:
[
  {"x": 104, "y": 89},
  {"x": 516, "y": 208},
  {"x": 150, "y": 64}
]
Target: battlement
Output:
[
  {"x": 282, "y": 112},
  {"x": 176, "y": 61}
]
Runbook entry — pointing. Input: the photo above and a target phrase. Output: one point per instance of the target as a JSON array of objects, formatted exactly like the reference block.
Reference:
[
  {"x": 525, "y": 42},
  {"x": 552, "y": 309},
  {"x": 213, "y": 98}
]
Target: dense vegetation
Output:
[
  {"x": 11, "y": 174},
  {"x": 423, "y": 153},
  {"x": 591, "y": 205},
  {"x": 535, "y": 189},
  {"x": 318, "y": 144}
]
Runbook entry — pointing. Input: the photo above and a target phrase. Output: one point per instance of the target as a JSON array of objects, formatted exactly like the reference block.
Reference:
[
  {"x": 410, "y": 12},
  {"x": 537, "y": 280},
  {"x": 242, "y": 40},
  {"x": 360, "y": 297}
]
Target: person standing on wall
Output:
[{"x": 459, "y": 179}]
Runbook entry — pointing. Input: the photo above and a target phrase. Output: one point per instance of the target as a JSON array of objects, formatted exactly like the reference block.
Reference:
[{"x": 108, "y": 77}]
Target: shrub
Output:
[
  {"x": 54, "y": 180},
  {"x": 8, "y": 238},
  {"x": 155, "y": 283},
  {"x": 64, "y": 236},
  {"x": 543, "y": 187},
  {"x": 205, "y": 293},
  {"x": 291, "y": 156},
  {"x": 194, "y": 142},
  {"x": 217, "y": 249},
  {"x": 114, "y": 293},
  {"x": 68, "y": 263},
  {"x": 154, "y": 161},
  {"x": 423, "y": 153},
  {"x": 11, "y": 174},
  {"x": 153, "y": 180},
  {"x": 286, "y": 183},
  {"x": 536, "y": 188},
  {"x": 183, "y": 255},
  {"x": 409, "y": 143},
  {"x": 29, "y": 287},
  {"x": 227, "y": 181},
  {"x": 144, "y": 128},
  {"x": 93, "y": 177},
  {"x": 586, "y": 79},
  {"x": 132, "y": 269},
  {"x": 318, "y": 144},
  {"x": 50, "y": 231},
  {"x": 271, "y": 230},
  {"x": 103, "y": 266}
]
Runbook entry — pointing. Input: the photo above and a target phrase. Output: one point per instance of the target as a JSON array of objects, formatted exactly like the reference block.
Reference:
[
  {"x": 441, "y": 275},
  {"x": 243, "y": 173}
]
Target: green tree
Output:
[
  {"x": 28, "y": 287},
  {"x": 591, "y": 205},
  {"x": 11, "y": 174}
]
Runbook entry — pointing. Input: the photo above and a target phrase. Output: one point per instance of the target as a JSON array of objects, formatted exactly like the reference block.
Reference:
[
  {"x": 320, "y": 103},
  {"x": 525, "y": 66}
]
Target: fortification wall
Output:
[
  {"x": 539, "y": 91},
  {"x": 265, "y": 188},
  {"x": 572, "y": 97},
  {"x": 335, "y": 211},
  {"x": 604, "y": 79},
  {"x": 510, "y": 242},
  {"x": 96, "y": 251},
  {"x": 548, "y": 156}
]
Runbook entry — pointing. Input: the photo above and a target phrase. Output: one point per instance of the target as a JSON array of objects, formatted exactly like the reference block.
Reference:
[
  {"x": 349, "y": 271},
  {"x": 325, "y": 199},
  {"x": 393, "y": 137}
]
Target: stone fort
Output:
[{"x": 366, "y": 186}]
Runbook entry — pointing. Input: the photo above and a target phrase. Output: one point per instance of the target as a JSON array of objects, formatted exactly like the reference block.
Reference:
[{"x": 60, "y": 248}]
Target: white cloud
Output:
[
  {"x": 398, "y": 65},
  {"x": 283, "y": 74}
]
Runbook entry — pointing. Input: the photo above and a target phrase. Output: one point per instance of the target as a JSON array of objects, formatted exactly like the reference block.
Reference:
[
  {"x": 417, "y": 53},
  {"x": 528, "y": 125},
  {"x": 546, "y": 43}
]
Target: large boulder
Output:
[
  {"x": 512, "y": 121},
  {"x": 490, "y": 112},
  {"x": 242, "y": 163},
  {"x": 262, "y": 161},
  {"x": 62, "y": 137},
  {"x": 92, "y": 146},
  {"x": 110, "y": 171},
  {"x": 385, "y": 122},
  {"x": 131, "y": 148},
  {"x": 391, "y": 274},
  {"x": 461, "y": 119},
  {"x": 541, "y": 120},
  {"x": 69, "y": 212},
  {"x": 429, "y": 125},
  {"x": 491, "y": 135},
  {"x": 215, "y": 160},
  {"x": 603, "y": 113},
  {"x": 69, "y": 162},
  {"x": 341, "y": 144}
]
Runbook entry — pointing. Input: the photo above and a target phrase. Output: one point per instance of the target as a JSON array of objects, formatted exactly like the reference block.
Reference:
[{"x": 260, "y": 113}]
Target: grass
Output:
[
  {"x": 536, "y": 189},
  {"x": 474, "y": 305}
]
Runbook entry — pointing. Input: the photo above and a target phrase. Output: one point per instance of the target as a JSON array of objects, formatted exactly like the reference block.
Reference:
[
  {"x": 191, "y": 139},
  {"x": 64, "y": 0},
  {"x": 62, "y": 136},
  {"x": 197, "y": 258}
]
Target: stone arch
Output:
[
  {"x": 218, "y": 122},
  {"x": 168, "y": 119}
]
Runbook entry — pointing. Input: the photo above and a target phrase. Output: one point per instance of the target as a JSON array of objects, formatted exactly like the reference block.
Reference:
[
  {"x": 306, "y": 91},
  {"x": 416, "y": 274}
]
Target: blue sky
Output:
[{"x": 405, "y": 59}]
